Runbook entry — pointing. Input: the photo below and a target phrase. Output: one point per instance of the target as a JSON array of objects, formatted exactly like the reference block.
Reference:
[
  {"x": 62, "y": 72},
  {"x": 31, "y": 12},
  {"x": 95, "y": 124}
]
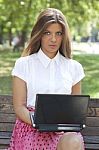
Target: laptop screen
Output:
[{"x": 60, "y": 109}]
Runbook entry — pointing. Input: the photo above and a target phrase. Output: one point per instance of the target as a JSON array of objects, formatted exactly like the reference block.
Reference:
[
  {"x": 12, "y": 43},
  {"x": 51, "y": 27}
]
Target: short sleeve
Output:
[
  {"x": 78, "y": 72},
  {"x": 20, "y": 68}
]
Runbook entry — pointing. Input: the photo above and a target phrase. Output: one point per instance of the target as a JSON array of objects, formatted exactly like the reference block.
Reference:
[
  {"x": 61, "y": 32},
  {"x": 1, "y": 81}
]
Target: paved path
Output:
[{"x": 85, "y": 48}]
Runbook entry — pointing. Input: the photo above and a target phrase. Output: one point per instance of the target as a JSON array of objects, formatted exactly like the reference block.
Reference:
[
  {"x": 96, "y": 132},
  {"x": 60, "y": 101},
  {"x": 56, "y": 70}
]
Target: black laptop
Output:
[{"x": 58, "y": 112}]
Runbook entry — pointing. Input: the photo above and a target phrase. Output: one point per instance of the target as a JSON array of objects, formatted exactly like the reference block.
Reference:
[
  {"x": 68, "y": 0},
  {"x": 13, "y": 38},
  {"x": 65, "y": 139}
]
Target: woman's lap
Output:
[{"x": 25, "y": 137}]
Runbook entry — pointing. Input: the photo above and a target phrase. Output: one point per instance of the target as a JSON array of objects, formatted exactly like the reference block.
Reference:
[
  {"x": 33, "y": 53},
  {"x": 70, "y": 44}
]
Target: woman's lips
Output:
[{"x": 52, "y": 46}]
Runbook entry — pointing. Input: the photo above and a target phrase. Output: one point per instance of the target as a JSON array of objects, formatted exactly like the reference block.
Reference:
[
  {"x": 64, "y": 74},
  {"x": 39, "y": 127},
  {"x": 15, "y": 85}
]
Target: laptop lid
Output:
[{"x": 60, "y": 109}]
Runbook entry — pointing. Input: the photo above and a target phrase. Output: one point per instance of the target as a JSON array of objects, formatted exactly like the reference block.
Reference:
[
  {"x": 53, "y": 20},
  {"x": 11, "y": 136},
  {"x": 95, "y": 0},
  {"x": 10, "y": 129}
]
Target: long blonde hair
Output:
[{"x": 47, "y": 17}]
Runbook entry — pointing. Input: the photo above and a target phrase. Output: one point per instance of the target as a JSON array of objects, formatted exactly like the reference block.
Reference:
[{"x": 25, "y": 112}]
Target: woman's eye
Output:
[
  {"x": 59, "y": 33},
  {"x": 46, "y": 33}
]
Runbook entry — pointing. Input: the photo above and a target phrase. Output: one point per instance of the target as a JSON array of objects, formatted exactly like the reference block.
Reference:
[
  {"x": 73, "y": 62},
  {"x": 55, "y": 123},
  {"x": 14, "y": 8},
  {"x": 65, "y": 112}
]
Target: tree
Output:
[{"x": 18, "y": 16}]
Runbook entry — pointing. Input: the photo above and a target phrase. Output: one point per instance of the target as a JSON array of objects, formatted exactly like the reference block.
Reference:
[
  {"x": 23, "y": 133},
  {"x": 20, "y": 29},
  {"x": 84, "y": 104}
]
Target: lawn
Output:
[
  {"x": 7, "y": 60},
  {"x": 90, "y": 84}
]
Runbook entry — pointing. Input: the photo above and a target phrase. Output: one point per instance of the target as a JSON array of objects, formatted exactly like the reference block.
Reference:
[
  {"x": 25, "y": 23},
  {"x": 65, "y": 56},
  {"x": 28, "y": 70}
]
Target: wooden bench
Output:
[{"x": 7, "y": 120}]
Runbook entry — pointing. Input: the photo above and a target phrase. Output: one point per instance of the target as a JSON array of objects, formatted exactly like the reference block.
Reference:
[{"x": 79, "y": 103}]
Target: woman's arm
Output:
[
  {"x": 19, "y": 99},
  {"x": 76, "y": 89}
]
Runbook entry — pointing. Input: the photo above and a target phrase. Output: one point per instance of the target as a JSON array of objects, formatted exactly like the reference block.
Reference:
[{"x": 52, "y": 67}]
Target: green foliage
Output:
[{"x": 19, "y": 15}]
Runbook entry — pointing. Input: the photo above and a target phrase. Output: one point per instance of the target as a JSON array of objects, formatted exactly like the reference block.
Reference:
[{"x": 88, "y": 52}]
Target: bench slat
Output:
[
  {"x": 90, "y": 131},
  {"x": 4, "y": 118},
  {"x": 5, "y": 141},
  {"x": 92, "y": 121},
  {"x": 5, "y": 134},
  {"x": 6, "y": 108},
  {"x": 91, "y": 139},
  {"x": 5, "y": 99},
  {"x": 94, "y": 102},
  {"x": 92, "y": 146},
  {"x": 93, "y": 112},
  {"x": 6, "y": 126}
]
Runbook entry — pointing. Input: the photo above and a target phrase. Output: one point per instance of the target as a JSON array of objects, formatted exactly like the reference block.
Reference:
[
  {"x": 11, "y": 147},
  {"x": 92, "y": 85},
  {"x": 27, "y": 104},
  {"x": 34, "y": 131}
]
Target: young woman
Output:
[{"x": 45, "y": 67}]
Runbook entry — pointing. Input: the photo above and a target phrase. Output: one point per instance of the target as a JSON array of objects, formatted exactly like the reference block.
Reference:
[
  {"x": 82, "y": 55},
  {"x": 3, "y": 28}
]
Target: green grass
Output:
[
  {"x": 7, "y": 60},
  {"x": 90, "y": 84}
]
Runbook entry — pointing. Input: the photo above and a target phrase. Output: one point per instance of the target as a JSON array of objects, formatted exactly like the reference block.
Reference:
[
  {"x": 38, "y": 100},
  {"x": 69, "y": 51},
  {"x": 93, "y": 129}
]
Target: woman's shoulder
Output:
[
  {"x": 71, "y": 62},
  {"x": 22, "y": 67},
  {"x": 25, "y": 59},
  {"x": 74, "y": 62}
]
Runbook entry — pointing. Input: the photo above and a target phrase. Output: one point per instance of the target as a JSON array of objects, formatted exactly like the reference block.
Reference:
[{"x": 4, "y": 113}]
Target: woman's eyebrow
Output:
[{"x": 51, "y": 31}]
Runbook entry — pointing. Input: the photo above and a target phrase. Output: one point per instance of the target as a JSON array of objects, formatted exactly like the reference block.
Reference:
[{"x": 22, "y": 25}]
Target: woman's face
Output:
[{"x": 51, "y": 39}]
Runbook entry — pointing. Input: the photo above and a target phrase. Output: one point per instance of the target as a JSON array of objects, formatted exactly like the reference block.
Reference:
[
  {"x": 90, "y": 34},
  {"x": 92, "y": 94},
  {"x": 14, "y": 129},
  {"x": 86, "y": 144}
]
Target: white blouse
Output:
[{"x": 45, "y": 75}]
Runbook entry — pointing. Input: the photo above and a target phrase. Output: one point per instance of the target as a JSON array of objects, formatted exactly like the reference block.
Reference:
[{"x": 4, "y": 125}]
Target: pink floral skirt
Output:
[{"x": 25, "y": 137}]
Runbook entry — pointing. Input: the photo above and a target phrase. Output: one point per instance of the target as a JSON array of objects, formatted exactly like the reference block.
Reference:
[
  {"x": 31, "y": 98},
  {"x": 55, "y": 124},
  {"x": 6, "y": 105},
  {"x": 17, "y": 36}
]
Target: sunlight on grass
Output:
[
  {"x": 5, "y": 70},
  {"x": 5, "y": 85},
  {"x": 90, "y": 83},
  {"x": 7, "y": 60},
  {"x": 96, "y": 94}
]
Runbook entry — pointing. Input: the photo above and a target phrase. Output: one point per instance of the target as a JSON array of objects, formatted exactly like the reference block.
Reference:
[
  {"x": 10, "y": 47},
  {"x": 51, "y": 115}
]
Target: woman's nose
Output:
[{"x": 53, "y": 38}]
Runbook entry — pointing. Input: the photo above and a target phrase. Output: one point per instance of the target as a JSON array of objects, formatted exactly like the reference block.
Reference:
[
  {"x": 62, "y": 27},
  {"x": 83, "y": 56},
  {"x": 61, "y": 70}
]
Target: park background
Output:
[{"x": 17, "y": 19}]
